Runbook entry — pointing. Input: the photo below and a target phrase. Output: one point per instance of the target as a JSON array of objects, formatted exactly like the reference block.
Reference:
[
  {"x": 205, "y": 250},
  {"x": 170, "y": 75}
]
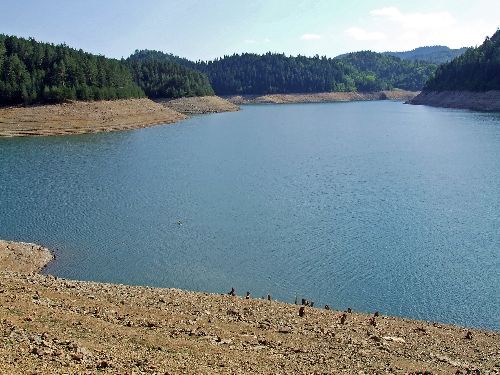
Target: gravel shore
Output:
[
  {"x": 324, "y": 97},
  {"x": 200, "y": 105},
  {"x": 54, "y": 326},
  {"x": 84, "y": 117}
]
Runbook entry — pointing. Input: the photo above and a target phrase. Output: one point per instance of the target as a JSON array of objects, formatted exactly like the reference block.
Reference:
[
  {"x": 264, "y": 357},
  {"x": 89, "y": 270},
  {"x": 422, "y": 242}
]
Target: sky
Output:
[{"x": 204, "y": 30}]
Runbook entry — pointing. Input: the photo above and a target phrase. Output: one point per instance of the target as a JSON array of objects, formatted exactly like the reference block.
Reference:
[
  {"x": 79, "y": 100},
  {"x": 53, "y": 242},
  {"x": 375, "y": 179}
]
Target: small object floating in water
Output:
[
  {"x": 179, "y": 222},
  {"x": 232, "y": 292}
]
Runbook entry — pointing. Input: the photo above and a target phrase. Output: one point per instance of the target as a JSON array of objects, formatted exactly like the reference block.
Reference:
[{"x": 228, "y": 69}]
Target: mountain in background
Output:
[
  {"x": 478, "y": 69},
  {"x": 431, "y": 54}
]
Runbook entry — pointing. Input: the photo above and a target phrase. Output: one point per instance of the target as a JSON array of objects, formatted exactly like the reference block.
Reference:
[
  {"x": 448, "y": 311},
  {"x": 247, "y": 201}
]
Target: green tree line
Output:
[
  {"x": 160, "y": 76},
  {"x": 32, "y": 72},
  {"x": 385, "y": 72}
]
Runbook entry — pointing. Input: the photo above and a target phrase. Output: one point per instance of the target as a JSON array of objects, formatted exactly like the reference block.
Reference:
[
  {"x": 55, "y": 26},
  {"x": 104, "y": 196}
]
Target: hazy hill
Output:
[
  {"x": 431, "y": 54},
  {"x": 478, "y": 69}
]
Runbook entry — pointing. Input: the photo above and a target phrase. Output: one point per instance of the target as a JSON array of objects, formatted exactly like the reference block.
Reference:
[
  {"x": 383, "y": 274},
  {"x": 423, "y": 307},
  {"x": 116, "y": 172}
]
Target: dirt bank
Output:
[
  {"x": 84, "y": 117},
  {"x": 23, "y": 257},
  {"x": 479, "y": 101},
  {"x": 50, "y": 325},
  {"x": 325, "y": 97},
  {"x": 200, "y": 105}
]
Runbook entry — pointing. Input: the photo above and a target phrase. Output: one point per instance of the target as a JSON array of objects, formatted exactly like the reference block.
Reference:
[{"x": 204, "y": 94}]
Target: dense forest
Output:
[
  {"x": 32, "y": 72},
  {"x": 478, "y": 69},
  {"x": 161, "y": 76},
  {"x": 431, "y": 54},
  {"x": 390, "y": 72},
  {"x": 271, "y": 73}
]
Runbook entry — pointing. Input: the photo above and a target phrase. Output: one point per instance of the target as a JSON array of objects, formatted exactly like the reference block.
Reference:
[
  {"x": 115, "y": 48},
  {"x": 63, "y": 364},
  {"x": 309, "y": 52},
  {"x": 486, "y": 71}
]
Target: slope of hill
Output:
[
  {"x": 431, "y": 54},
  {"x": 273, "y": 73},
  {"x": 167, "y": 76},
  {"x": 389, "y": 71},
  {"x": 478, "y": 69},
  {"x": 34, "y": 72},
  {"x": 471, "y": 80}
]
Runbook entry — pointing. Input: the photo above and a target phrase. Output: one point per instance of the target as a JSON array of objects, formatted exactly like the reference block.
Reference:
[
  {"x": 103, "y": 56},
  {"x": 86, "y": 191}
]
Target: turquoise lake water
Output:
[{"x": 370, "y": 205}]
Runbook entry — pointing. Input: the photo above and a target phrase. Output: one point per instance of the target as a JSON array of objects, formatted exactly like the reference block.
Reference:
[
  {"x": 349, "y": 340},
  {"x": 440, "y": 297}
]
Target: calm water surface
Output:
[{"x": 374, "y": 205}]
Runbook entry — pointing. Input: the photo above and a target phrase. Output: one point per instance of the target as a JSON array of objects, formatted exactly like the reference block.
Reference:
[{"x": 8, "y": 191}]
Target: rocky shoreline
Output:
[
  {"x": 324, "y": 97},
  {"x": 52, "y": 325},
  {"x": 477, "y": 101},
  {"x": 84, "y": 117},
  {"x": 113, "y": 115}
]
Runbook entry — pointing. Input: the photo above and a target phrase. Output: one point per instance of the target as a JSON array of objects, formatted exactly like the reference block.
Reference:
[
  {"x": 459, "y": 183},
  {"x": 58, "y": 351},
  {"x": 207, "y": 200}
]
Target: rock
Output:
[
  {"x": 394, "y": 339},
  {"x": 302, "y": 311}
]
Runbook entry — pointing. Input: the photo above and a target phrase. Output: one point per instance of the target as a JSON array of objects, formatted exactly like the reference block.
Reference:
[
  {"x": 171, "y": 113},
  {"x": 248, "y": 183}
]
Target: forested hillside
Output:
[
  {"x": 390, "y": 72},
  {"x": 478, "y": 69},
  {"x": 33, "y": 72},
  {"x": 431, "y": 54},
  {"x": 272, "y": 73},
  {"x": 162, "y": 76}
]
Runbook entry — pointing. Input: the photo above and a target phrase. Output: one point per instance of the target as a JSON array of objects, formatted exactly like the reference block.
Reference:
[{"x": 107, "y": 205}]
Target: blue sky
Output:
[{"x": 207, "y": 29}]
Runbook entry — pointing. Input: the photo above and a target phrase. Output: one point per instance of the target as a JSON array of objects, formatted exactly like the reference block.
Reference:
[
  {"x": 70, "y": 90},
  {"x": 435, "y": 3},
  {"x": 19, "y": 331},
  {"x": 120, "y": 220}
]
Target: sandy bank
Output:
[
  {"x": 84, "y": 117},
  {"x": 199, "y": 105},
  {"x": 51, "y": 325},
  {"x": 325, "y": 97},
  {"x": 479, "y": 101}
]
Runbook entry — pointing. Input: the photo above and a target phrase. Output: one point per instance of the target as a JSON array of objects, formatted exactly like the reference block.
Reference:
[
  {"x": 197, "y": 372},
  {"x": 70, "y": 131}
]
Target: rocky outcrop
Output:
[{"x": 199, "y": 105}]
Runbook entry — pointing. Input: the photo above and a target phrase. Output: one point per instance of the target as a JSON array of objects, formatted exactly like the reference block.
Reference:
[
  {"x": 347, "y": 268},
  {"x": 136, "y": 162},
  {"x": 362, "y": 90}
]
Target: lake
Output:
[{"x": 370, "y": 205}]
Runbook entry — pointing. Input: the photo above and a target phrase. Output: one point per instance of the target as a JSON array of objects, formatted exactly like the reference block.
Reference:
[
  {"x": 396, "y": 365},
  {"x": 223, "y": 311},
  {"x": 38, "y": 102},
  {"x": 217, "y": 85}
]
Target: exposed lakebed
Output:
[{"x": 372, "y": 205}]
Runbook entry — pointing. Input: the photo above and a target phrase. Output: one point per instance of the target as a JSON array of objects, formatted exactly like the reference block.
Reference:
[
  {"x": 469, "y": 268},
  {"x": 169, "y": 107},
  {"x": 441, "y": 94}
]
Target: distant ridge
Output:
[{"x": 431, "y": 54}]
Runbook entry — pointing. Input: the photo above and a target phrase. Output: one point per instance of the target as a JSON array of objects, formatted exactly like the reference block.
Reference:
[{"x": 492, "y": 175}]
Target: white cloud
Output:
[
  {"x": 310, "y": 37},
  {"x": 255, "y": 41},
  {"x": 418, "y": 21},
  {"x": 390, "y": 28},
  {"x": 361, "y": 34}
]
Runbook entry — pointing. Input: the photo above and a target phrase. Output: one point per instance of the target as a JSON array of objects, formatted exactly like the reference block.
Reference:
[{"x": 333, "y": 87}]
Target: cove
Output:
[{"x": 369, "y": 205}]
